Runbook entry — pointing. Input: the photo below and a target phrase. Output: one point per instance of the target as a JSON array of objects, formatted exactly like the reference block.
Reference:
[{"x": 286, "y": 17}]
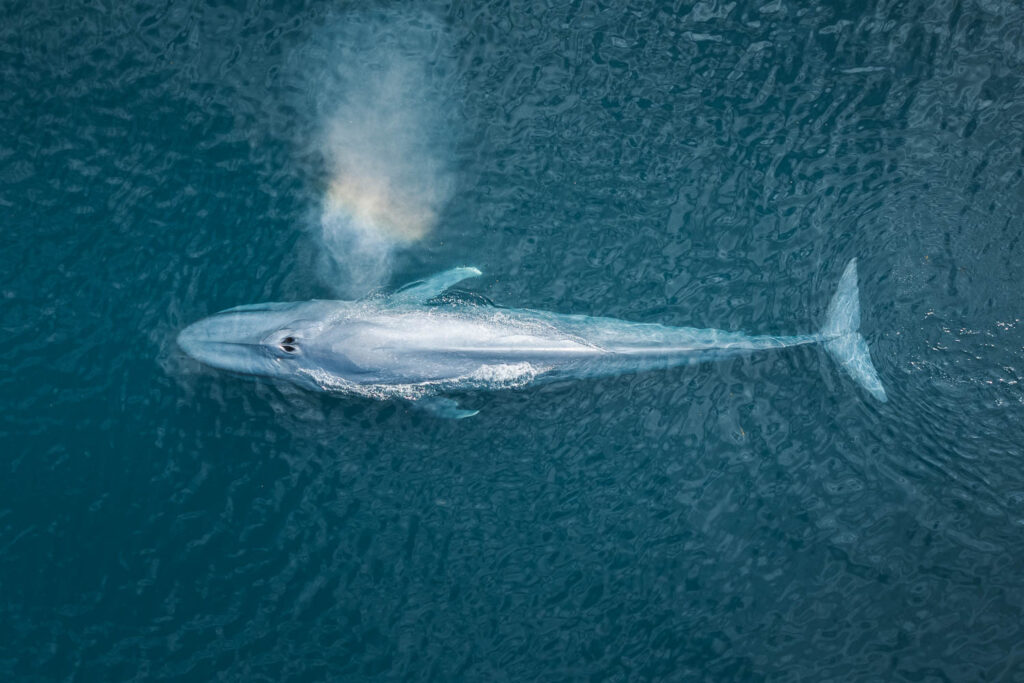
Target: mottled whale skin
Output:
[{"x": 415, "y": 346}]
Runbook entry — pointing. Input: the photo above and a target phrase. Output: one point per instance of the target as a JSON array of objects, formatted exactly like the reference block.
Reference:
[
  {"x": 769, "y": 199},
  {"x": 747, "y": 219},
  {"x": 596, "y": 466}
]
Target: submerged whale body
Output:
[{"x": 413, "y": 346}]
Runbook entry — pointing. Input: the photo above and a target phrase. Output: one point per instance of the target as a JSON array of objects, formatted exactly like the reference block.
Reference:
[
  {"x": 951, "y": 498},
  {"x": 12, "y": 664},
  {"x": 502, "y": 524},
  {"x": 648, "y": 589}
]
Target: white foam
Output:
[{"x": 495, "y": 376}]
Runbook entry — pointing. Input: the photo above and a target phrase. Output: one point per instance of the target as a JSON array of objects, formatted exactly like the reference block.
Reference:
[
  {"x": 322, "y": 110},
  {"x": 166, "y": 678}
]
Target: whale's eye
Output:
[
  {"x": 288, "y": 347},
  {"x": 288, "y": 340}
]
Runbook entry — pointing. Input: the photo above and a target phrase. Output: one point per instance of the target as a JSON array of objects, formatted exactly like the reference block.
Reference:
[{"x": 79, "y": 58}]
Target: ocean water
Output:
[{"x": 705, "y": 163}]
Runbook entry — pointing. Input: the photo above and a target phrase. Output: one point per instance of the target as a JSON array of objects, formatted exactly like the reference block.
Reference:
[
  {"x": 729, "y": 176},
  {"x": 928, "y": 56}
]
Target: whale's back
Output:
[{"x": 442, "y": 343}]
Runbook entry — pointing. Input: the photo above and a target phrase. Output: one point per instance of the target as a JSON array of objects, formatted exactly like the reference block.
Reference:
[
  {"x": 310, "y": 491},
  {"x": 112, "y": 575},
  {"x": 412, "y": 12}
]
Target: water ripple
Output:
[{"x": 712, "y": 163}]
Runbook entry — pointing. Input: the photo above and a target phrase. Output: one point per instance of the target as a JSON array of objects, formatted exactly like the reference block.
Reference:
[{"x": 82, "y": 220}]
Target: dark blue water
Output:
[{"x": 711, "y": 164}]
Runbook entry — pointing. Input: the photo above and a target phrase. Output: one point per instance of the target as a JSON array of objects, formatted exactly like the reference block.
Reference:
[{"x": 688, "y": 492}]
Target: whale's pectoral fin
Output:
[
  {"x": 424, "y": 290},
  {"x": 438, "y": 406}
]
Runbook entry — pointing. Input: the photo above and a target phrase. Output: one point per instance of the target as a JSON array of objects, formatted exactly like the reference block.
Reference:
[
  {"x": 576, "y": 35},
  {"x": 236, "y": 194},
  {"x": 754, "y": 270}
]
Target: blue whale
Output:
[{"x": 417, "y": 345}]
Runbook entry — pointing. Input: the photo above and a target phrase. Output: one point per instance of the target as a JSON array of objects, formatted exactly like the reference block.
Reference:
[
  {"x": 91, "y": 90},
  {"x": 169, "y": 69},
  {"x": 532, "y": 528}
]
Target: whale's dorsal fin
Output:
[{"x": 422, "y": 291}]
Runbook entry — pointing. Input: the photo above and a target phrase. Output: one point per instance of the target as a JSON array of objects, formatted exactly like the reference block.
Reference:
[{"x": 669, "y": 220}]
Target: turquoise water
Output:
[{"x": 712, "y": 164}]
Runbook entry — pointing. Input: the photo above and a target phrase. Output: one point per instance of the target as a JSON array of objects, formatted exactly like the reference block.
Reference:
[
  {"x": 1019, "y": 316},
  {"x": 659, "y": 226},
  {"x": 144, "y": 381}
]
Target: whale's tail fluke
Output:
[{"x": 842, "y": 339}]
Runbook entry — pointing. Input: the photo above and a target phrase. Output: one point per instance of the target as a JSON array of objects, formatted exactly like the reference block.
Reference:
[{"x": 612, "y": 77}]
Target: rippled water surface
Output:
[{"x": 711, "y": 164}]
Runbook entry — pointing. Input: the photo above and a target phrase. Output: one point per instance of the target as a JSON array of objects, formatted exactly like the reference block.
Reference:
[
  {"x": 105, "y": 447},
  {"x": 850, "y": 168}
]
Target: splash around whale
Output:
[{"x": 417, "y": 346}]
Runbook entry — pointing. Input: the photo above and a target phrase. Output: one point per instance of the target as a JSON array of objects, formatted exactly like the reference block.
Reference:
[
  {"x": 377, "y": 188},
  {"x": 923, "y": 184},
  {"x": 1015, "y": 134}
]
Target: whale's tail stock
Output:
[{"x": 842, "y": 338}]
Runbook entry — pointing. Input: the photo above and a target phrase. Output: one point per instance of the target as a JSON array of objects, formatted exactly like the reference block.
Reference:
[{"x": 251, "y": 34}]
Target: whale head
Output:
[
  {"x": 377, "y": 342},
  {"x": 268, "y": 339}
]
